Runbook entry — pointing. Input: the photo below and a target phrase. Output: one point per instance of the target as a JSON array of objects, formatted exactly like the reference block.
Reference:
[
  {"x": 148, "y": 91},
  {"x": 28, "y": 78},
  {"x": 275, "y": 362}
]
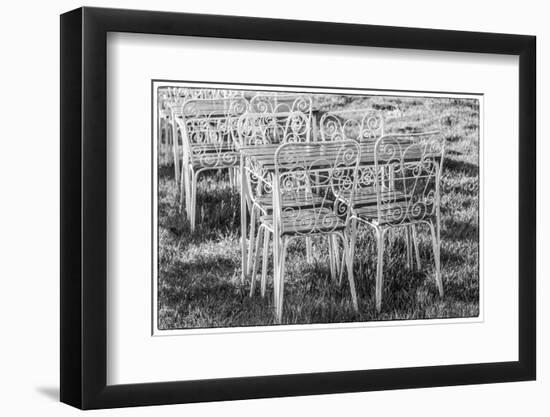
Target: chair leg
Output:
[
  {"x": 261, "y": 233},
  {"x": 281, "y": 282},
  {"x": 380, "y": 268},
  {"x": 238, "y": 184},
  {"x": 352, "y": 241},
  {"x": 175, "y": 148},
  {"x": 234, "y": 178},
  {"x": 331, "y": 259},
  {"x": 188, "y": 193},
  {"x": 354, "y": 230},
  {"x": 408, "y": 245},
  {"x": 167, "y": 143},
  {"x": 251, "y": 240},
  {"x": 416, "y": 251},
  {"x": 436, "y": 249},
  {"x": 275, "y": 273},
  {"x": 309, "y": 250},
  {"x": 343, "y": 265},
  {"x": 349, "y": 265},
  {"x": 170, "y": 143},
  {"x": 336, "y": 254},
  {"x": 264, "y": 261},
  {"x": 276, "y": 255},
  {"x": 244, "y": 199},
  {"x": 193, "y": 201},
  {"x": 184, "y": 189}
]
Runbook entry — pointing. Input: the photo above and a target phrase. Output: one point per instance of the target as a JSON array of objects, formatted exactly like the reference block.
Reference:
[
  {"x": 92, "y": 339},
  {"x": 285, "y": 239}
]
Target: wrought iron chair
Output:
[
  {"x": 174, "y": 97},
  {"x": 364, "y": 125},
  {"x": 354, "y": 124},
  {"x": 178, "y": 96},
  {"x": 334, "y": 167},
  {"x": 286, "y": 103},
  {"x": 361, "y": 125},
  {"x": 410, "y": 196},
  {"x": 256, "y": 129},
  {"x": 207, "y": 130}
]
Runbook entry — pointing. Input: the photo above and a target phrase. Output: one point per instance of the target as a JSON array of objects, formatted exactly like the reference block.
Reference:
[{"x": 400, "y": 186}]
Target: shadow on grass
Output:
[
  {"x": 462, "y": 167},
  {"x": 204, "y": 291},
  {"x": 218, "y": 212},
  {"x": 459, "y": 230}
]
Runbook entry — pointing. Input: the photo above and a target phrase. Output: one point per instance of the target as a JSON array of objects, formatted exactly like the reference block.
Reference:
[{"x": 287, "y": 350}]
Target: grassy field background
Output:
[{"x": 199, "y": 273}]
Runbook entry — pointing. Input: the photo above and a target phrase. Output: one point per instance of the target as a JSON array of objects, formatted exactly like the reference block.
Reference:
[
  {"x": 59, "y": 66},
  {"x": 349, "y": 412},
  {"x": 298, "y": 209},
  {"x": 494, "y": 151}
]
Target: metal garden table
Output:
[{"x": 263, "y": 156}]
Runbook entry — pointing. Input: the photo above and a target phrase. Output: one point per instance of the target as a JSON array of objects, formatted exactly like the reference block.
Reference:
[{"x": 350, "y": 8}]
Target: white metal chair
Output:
[
  {"x": 358, "y": 124},
  {"x": 174, "y": 97},
  {"x": 409, "y": 196},
  {"x": 307, "y": 171},
  {"x": 256, "y": 129},
  {"x": 207, "y": 130},
  {"x": 280, "y": 103},
  {"x": 363, "y": 125},
  {"x": 178, "y": 95}
]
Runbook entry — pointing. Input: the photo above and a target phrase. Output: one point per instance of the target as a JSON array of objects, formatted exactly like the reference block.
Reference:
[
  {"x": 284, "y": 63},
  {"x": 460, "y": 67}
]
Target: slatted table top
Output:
[{"x": 317, "y": 154}]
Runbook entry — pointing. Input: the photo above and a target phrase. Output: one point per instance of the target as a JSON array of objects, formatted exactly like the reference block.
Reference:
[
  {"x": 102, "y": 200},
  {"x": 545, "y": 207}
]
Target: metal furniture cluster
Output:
[{"x": 304, "y": 173}]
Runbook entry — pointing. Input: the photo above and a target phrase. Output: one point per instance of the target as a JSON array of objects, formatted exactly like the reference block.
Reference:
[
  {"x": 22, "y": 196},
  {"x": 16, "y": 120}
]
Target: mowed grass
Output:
[{"x": 199, "y": 282}]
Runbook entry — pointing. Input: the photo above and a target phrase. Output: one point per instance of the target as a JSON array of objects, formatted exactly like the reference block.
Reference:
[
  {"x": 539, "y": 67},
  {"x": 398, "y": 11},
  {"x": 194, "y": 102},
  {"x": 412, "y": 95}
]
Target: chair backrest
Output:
[
  {"x": 281, "y": 103},
  {"x": 323, "y": 175},
  {"x": 272, "y": 128},
  {"x": 355, "y": 124},
  {"x": 179, "y": 95},
  {"x": 207, "y": 127},
  {"x": 408, "y": 170}
]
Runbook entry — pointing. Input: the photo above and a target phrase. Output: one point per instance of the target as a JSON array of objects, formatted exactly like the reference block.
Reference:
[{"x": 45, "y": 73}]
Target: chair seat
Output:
[
  {"x": 367, "y": 197},
  {"x": 306, "y": 221},
  {"x": 300, "y": 199}
]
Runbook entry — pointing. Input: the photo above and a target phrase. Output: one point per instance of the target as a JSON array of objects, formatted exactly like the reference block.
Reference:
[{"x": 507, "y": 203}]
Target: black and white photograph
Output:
[
  {"x": 280, "y": 208},
  {"x": 280, "y": 205}
]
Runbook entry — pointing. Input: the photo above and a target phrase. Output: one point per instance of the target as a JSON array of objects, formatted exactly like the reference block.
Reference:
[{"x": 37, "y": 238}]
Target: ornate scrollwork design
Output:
[
  {"x": 281, "y": 103},
  {"x": 272, "y": 128},
  {"x": 208, "y": 126},
  {"x": 356, "y": 124},
  {"x": 408, "y": 169},
  {"x": 310, "y": 179}
]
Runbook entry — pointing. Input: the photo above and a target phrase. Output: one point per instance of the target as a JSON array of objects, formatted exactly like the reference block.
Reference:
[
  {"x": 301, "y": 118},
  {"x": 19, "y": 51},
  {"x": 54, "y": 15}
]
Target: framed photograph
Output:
[{"x": 256, "y": 208}]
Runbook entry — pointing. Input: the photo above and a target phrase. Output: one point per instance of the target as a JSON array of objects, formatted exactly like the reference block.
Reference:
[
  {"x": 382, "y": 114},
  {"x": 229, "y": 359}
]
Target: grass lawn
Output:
[{"x": 199, "y": 274}]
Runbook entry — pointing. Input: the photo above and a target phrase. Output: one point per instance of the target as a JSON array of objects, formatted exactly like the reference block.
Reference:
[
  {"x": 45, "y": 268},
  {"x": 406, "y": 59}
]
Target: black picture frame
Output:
[{"x": 84, "y": 207}]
